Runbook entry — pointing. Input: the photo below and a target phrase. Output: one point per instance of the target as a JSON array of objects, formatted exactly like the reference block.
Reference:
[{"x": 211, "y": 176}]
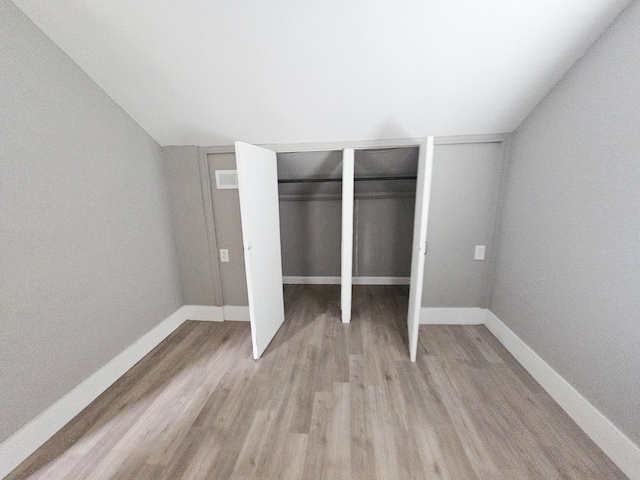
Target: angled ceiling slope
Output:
[{"x": 209, "y": 72}]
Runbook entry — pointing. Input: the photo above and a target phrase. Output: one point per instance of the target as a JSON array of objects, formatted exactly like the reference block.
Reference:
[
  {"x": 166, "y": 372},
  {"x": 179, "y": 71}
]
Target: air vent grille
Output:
[{"x": 226, "y": 179}]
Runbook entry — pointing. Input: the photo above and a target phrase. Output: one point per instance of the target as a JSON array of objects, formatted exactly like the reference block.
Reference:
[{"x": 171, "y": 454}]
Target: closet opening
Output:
[
  {"x": 384, "y": 210},
  {"x": 311, "y": 199},
  {"x": 300, "y": 225}
]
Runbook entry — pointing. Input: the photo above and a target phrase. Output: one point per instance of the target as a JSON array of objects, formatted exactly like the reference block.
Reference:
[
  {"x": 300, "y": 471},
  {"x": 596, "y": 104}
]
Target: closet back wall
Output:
[
  {"x": 311, "y": 230},
  {"x": 383, "y": 236},
  {"x": 310, "y": 214}
]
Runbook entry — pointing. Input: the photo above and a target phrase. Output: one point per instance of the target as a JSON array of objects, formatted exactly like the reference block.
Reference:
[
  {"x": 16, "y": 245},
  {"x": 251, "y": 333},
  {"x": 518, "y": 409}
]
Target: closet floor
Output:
[{"x": 327, "y": 400}]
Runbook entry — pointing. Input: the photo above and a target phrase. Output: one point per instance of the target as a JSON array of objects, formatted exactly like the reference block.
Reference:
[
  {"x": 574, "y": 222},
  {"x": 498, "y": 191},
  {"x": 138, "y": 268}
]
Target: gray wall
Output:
[
  {"x": 87, "y": 258},
  {"x": 568, "y": 272},
  {"x": 462, "y": 214},
  {"x": 201, "y": 274},
  {"x": 226, "y": 212},
  {"x": 197, "y": 278}
]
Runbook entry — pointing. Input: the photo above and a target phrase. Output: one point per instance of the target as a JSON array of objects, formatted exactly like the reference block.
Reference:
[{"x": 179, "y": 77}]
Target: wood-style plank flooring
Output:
[{"x": 327, "y": 400}]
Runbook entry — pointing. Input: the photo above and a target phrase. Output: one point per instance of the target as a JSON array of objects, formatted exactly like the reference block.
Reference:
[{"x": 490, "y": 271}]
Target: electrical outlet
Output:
[
  {"x": 479, "y": 252},
  {"x": 224, "y": 255}
]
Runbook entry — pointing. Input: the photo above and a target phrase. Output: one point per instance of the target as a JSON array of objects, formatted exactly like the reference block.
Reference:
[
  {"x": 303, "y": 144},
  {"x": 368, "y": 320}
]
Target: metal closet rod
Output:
[{"x": 356, "y": 179}]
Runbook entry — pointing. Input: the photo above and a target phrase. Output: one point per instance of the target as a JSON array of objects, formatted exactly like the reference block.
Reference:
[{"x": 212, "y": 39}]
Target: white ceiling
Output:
[{"x": 207, "y": 72}]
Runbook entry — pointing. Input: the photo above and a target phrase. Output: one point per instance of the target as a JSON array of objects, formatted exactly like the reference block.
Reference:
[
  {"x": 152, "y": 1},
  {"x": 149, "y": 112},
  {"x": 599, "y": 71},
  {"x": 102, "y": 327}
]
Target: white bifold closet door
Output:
[
  {"x": 421, "y": 220},
  {"x": 260, "y": 218}
]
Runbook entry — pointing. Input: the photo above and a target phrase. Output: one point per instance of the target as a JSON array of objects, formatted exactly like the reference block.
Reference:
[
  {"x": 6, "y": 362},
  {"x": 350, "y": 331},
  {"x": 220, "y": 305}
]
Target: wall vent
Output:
[{"x": 226, "y": 179}]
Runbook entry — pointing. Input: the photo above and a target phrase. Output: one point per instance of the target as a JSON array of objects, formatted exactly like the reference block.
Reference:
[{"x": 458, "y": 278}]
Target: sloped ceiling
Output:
[{"x": 207, "y": 72}]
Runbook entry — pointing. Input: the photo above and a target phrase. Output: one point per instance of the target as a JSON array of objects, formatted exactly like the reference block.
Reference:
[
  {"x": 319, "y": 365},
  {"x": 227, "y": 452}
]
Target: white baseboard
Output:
[
  {"x": 355, "y": 280},
  {"x": 311, "y": 280},
  {"x": 29, "y": 438},
  {"x": 452, "y": 316},
  {"x": 203, "y": 313},
  {"x": 237, "y": 313},
  {"x": 210, "y": 313},
  {"x": 624, "y": 453},
  {"x": 381, "y": 281}
]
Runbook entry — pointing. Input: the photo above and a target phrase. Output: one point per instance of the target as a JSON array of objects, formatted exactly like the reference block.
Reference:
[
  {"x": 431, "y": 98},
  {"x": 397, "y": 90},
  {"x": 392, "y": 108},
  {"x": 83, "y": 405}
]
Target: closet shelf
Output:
[{"x": 356, "y": 179}]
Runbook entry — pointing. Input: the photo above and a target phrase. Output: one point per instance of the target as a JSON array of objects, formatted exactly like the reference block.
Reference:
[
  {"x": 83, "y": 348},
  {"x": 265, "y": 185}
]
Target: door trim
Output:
[{"x": 365, "y": 144}]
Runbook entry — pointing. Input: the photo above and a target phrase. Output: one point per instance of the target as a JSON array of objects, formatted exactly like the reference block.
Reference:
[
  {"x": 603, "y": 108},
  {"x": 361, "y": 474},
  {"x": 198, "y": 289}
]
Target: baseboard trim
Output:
[
  {"x": 15, "y": 449},
  {"x": 211, "y": 313},
  {"x": 236, "y": 313},
  {"x": 620, "y": 449},
  {"x": 293, "y": 280},
  {"x": 203, "y": 313},
  {"x": 452, "y": 316},
  {"x": 381, "y": 280}
]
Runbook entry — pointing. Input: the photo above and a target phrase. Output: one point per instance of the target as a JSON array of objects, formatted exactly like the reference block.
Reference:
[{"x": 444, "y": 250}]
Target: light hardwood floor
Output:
[{"x": 327, "y": 400}]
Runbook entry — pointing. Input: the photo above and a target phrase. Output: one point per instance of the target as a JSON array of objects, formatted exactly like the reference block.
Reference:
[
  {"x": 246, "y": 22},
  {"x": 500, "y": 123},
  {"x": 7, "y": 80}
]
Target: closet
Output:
[
  {"x": 467, "y": 180},
  {"x": 310, "y": 194},
  {"x": 335, "y": 216}
]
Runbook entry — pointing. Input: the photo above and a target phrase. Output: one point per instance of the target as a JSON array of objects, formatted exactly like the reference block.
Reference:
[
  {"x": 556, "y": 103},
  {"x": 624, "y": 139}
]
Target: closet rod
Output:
[{"x": 357, "y": 179}]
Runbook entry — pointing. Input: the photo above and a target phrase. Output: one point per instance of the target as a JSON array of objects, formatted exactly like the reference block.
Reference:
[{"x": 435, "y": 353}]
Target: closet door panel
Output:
[
  {"x": 423, "y": 196},
  {"x": 311, "y": 232},
  {"x": 260, "y": 218}
]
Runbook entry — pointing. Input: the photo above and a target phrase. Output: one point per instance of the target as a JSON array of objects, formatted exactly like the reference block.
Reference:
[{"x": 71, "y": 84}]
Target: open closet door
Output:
[
  {"x": 421, "y": 219},
  {"x": 260, "y": 218}
]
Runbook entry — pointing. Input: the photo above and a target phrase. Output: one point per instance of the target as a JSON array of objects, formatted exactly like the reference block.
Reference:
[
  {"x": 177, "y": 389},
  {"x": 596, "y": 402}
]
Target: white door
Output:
[
  {"x": 260, "y": 218},
  {"x": 346, "y": 279},
  {"x": 423, "y": 195}
]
